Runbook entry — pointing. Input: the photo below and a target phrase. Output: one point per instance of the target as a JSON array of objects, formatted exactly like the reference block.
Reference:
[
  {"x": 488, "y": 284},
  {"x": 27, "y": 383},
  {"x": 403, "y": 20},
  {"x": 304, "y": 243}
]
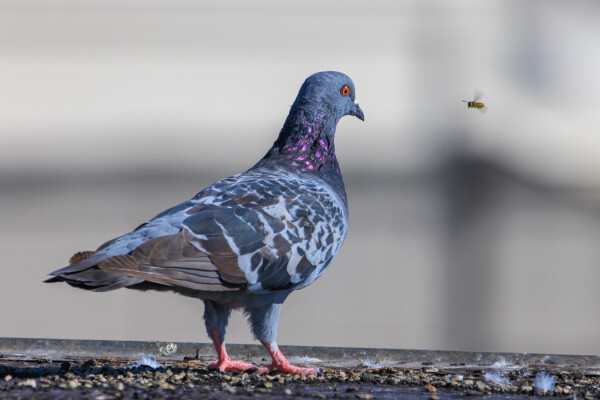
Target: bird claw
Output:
[
  {"x": 290, "y": 369},
  {"x": 230, "y": 365}
]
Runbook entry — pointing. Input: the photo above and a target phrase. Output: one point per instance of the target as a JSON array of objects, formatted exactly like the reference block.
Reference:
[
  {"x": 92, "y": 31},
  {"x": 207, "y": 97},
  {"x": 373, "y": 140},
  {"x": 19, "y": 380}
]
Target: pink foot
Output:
[
  {"x": 225, "y": 363},
  {"x": 230, "y": 365},
  {"x": 289, "y": 369},
  {"x": 281, "y": 364}
]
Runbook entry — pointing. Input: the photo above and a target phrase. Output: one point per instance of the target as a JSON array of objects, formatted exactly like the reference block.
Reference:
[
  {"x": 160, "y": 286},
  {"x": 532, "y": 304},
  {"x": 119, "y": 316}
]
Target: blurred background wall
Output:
[{"x": 468, "y": 231}]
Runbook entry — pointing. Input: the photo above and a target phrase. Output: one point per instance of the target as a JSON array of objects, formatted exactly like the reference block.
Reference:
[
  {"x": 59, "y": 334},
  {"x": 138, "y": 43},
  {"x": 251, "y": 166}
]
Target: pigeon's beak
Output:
[{"x": 358, "y": 112}]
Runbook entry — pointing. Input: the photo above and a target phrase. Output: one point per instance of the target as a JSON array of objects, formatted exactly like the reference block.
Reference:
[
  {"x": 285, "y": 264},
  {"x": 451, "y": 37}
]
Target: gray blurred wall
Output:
[{"x": 468, "y": 231}]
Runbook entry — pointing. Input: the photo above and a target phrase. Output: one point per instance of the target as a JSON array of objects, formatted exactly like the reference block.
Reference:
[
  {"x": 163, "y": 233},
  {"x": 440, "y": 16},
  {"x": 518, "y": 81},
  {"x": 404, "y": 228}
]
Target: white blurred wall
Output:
[{"x": 111, "y": 111}]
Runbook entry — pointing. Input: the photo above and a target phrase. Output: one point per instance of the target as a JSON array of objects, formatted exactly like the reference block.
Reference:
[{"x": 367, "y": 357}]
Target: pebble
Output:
[
  {"x": 73, "y": 384},
  {"x": 430, "y": 388},
  {"x": 29, "y": 382},
  {"x": 367, "y": 377},
  {"x": 526, "y": 389},
  {"x": 482, "y": 387},
  {"x": 179, "y": 376},
  {"x": 227, "y": 388}
]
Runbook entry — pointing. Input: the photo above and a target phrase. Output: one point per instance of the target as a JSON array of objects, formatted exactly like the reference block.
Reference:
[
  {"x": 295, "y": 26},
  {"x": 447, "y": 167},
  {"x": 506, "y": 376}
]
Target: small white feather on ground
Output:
[
  {"x": 497, "y": 377},
  {"x": 502, "y": 363},
  {"x": 374, "y": 364},
  {"x": 544, "y": 381},
  {"x": 148, "y": 360}
]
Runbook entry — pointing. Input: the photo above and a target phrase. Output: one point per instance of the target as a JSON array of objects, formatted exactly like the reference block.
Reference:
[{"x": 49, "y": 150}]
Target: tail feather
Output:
[
  {"x": 85, "y": 264},
  {"x": 80, "y": 256},
  {"x": 114, "y": 282},
  {"x": 83, "y": 273}
]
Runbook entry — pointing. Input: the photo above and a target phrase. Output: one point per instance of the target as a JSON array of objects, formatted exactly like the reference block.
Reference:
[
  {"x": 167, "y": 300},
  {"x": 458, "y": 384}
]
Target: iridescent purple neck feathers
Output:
[{"x": 306, "y": 142}]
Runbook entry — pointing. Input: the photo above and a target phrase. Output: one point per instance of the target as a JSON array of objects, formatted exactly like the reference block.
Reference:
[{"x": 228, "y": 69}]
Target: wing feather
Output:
[
  {"x": 170, "y": 276},
  {"x": 170, "y": 260}
]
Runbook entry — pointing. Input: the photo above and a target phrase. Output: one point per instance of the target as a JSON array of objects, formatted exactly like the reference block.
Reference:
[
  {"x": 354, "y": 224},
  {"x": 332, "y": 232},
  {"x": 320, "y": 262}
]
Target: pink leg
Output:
[
  {"x": 282, "y": 365},
  {"x": 225, "y": 363}
]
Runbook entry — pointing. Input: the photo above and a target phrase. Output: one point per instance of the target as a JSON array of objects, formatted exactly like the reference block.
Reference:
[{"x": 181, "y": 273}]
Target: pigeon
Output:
[{"x": 247, "y": 241}]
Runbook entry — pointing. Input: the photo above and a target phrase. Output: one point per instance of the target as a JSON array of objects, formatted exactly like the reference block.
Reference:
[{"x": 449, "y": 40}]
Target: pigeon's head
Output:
[
  {"x": 331, "y": 92},
  {"x": 306, "y": 139}
]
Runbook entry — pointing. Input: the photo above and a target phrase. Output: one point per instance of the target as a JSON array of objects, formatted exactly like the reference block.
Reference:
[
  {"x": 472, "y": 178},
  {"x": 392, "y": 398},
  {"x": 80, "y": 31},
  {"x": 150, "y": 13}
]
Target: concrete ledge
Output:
[{"x": 23, "y": 348}]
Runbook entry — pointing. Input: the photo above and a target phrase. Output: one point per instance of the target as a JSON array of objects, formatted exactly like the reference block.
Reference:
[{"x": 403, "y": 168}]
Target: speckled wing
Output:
[
  {"x": 280, "y": 233},
  {"x": 259, "y": 232}
]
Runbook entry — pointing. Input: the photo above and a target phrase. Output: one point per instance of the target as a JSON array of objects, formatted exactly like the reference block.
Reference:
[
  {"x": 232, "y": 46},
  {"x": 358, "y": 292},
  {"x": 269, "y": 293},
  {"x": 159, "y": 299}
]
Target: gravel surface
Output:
[{"x": 111, "y": 378}]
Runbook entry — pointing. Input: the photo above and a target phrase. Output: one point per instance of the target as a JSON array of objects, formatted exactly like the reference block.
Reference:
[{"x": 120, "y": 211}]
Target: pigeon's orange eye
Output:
[{"x": 345, "y": 91}]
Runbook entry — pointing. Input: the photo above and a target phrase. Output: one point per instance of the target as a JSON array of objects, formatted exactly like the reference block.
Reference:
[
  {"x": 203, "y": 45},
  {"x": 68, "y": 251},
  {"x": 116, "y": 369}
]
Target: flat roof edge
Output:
[{"x": 81, "y": 348}]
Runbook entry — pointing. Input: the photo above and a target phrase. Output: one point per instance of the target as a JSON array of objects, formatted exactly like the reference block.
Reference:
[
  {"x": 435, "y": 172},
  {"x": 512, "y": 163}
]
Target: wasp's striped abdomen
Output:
[{"x": 474, "y": 104}]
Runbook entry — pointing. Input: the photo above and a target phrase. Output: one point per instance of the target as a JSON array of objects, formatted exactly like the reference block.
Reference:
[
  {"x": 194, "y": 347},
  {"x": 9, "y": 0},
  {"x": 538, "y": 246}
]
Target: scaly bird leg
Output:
[
  {"x": 263, "y": 321},
  {"x": 281, "y": 364},
  {"x": 225, "y": 363},
  {"x": 216, "y": 317}
]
